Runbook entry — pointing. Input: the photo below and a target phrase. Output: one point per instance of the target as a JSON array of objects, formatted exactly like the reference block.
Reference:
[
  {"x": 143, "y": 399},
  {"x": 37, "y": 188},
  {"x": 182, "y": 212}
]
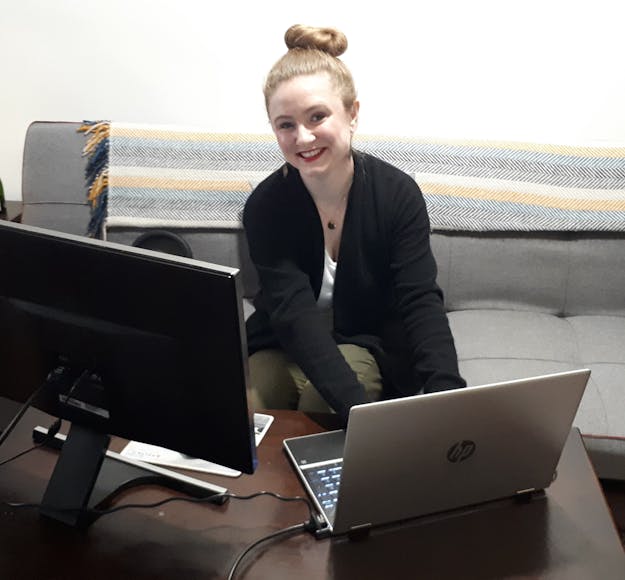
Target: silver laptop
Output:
[{"x": 425, "y": 454}]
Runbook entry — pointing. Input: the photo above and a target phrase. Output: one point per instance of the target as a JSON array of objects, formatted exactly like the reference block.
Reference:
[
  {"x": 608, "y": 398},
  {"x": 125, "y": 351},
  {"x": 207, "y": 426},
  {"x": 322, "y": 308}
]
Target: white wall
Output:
[{"x": 542, "y": 70}]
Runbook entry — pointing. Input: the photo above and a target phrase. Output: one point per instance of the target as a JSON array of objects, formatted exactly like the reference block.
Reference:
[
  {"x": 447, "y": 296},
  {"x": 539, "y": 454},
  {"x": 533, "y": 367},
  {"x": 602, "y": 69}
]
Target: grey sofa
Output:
[{"x": 519, "y": 303}]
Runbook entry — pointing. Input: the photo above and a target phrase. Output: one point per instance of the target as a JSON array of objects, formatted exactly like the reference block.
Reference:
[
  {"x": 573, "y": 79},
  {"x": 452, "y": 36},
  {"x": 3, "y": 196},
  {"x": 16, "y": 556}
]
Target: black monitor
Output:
[{"x": 125, "y": 341}]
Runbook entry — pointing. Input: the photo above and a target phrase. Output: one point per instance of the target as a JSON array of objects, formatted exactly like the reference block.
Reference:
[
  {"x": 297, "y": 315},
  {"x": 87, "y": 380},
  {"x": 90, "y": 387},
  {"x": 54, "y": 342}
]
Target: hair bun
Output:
[{"x": 329, "y": 40}]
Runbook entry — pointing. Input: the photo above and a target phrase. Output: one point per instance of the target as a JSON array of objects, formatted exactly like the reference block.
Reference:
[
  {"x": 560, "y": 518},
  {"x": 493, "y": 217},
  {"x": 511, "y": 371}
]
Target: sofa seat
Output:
[
  {"x": 496, "y": 345},
  {"x": 527, "y": 304}
]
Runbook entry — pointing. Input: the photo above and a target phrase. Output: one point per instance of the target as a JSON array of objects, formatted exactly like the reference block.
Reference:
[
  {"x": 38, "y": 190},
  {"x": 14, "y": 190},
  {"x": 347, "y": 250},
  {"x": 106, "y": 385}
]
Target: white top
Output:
[{"x": 327, "y": 285}]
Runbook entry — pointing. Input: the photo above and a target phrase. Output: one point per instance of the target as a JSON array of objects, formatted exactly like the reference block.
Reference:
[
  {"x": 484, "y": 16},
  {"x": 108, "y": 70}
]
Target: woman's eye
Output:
[
  {"x": 317, "y": 117},
  {"x": 284, "y": 125}
]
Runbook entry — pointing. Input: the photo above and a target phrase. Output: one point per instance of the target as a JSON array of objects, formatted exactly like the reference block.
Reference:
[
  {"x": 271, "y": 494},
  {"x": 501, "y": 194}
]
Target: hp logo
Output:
[{"x": 460, "y": 451}]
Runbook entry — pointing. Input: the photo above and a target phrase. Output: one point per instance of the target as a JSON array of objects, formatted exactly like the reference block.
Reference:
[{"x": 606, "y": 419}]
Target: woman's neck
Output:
[{"x": 327, "y": 189}]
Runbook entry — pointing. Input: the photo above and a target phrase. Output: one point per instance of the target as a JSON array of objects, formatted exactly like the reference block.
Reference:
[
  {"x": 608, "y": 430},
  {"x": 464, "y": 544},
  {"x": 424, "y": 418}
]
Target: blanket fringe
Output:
[{"x": 96, "y": 149}]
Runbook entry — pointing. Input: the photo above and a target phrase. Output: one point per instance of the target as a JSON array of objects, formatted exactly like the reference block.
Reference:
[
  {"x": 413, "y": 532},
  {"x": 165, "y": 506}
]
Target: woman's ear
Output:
[{"x": 354, "y": 116}]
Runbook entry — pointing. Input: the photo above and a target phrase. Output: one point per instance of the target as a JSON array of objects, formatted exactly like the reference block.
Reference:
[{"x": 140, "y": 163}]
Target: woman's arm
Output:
[{"x": 418, "y": 298}]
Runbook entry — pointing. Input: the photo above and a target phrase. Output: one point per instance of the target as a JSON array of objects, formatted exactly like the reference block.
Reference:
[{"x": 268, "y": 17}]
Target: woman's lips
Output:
[{"x": 311, "y": 155}]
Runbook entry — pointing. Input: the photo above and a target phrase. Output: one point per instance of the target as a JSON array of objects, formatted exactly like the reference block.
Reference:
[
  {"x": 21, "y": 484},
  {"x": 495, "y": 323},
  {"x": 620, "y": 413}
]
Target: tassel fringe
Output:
[{"x": 96, "y": 149}]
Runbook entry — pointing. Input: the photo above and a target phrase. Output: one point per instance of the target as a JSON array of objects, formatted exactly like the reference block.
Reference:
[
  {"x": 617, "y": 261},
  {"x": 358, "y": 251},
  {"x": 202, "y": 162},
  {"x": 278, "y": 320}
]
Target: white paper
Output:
[{"x": 163, "y": 456}]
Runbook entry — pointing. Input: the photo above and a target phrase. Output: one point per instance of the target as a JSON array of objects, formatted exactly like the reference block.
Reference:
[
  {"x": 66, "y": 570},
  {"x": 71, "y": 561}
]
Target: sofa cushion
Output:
[
  {"x": 596, "y": 275},
  {"x": 558, "y": 273},
  {"x": 498, "y": 345},
  {"x": 492, "y": 335},
  {"x": 502, "y": 271}
]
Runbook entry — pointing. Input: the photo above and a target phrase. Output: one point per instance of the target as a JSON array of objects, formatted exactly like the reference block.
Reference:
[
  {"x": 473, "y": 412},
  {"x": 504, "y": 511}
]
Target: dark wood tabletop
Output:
[{"x": 566, "y": 533}]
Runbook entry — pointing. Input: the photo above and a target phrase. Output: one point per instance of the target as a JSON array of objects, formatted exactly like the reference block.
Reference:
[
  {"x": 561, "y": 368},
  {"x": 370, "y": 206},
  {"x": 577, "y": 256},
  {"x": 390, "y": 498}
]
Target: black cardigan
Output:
[{"x": 385, "y": 293}]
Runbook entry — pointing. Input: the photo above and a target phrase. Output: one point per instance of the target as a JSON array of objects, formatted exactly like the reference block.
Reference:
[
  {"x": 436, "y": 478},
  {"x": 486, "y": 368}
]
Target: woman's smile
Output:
[{"x": 312, "y": 154}]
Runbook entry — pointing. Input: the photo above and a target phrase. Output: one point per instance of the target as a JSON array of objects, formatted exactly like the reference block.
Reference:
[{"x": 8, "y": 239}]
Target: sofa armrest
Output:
[{"x": 53, "y": 177}]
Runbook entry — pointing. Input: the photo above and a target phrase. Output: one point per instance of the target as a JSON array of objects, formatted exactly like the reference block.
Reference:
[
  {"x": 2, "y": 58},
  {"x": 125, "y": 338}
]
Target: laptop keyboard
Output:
[{"x": 324, "y": 481}]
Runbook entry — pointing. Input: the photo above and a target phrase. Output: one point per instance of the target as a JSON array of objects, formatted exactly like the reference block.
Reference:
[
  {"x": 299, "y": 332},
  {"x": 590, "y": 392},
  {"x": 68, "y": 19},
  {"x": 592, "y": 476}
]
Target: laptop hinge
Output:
[{"x": 360, "y": 532}]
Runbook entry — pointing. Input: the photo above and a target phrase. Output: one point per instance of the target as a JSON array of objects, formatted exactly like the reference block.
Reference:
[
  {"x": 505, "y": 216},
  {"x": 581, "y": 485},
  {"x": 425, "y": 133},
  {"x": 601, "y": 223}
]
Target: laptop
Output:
[{"x": 430, "y": 453}]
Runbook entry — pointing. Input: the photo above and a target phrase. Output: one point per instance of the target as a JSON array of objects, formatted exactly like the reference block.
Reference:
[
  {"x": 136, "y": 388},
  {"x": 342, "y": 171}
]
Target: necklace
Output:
[{"x": 332, "y": 220}]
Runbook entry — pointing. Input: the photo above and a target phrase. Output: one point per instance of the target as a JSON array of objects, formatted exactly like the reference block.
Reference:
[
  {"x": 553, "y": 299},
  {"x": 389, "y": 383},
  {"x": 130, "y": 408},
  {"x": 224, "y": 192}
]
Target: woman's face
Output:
[{"x": 313, "y": 129}]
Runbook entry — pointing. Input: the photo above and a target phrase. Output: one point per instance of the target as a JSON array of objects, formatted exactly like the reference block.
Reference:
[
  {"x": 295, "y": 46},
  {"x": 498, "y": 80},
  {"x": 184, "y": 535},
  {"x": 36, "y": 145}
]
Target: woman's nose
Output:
[{"x": 304, "y": 135}]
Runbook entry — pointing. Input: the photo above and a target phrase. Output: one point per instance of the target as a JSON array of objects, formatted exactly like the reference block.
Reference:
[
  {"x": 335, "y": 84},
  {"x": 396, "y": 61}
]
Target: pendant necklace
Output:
[{"x": 332, "y": 221}]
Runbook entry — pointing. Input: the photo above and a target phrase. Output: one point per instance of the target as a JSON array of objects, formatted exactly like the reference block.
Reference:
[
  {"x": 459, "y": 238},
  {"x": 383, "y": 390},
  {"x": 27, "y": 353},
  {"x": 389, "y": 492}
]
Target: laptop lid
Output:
[{"x": 430, "y": 453}]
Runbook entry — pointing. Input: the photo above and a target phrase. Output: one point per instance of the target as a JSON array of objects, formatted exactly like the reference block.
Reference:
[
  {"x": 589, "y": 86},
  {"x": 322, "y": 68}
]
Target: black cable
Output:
[
  {"x": 52, "y": 431},
  {"x": 18, "y": 455},
  {"x": 297, "y": 528},
  {"x": 68, "y": 398},
  {"x": 209, "y": 499},
  {"x": 310, "y": 525},
  {"x": 5, "y": 434}
]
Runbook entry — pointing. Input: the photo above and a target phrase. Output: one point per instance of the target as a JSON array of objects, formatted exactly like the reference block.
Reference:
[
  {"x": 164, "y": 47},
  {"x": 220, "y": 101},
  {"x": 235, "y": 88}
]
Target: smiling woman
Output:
[
  {"x": 348, "y": 310},
  {"x": 314, "y": 132},
  {"x": 311, "y": 102}
]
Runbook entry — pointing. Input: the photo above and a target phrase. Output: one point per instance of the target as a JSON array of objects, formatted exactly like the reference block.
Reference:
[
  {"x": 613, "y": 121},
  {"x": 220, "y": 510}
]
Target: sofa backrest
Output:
[{"x": 562, "y": 273}]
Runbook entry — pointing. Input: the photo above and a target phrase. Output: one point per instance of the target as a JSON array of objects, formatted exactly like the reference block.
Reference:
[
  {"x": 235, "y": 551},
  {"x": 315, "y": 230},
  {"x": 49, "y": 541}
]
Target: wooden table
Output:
[{"x": 568, "y": 533}]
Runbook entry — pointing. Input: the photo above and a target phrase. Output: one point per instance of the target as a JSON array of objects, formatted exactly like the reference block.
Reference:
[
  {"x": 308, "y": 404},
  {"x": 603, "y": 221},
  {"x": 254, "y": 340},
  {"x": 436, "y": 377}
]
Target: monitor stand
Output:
[{"x": 87, "y": 475}]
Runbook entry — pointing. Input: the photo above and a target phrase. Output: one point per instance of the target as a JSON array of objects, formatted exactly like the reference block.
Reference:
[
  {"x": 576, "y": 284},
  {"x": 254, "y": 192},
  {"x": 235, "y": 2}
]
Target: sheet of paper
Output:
[{"x": 167, "y": 457}]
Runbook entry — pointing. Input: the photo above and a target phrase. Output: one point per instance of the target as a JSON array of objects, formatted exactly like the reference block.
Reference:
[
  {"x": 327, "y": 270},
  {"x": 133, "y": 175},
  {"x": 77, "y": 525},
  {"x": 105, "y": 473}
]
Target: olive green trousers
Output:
[{"x": 278, "y": 383}]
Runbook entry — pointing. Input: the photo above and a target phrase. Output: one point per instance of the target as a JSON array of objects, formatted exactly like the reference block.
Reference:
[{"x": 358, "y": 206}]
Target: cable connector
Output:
[{"x": 316, "y": 525}]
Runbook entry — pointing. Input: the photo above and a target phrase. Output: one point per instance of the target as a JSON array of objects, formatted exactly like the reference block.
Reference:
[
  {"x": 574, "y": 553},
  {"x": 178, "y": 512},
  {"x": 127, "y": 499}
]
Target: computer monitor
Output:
[{"x": 125, "y": 341}]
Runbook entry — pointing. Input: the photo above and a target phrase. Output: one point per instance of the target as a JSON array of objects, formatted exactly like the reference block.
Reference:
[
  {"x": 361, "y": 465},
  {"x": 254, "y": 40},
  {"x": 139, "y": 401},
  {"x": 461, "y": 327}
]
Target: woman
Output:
[{"x": 349, "y": 310}]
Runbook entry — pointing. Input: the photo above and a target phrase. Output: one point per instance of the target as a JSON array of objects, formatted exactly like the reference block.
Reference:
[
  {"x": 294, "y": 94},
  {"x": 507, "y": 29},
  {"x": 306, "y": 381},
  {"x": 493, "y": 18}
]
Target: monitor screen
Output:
[{"x": 128, "y": 342}]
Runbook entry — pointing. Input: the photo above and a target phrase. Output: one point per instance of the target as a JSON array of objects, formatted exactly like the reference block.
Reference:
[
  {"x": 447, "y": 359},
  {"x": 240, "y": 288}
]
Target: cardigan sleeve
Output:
[
  {"x": 418, "y": 298},
  {"x": 274, "y": 224}
]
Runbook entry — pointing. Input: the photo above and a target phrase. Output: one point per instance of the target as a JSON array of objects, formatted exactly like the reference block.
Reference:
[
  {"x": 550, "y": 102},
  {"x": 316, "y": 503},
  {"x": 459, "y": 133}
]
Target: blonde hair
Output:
[{"x": 313, "y": 50}]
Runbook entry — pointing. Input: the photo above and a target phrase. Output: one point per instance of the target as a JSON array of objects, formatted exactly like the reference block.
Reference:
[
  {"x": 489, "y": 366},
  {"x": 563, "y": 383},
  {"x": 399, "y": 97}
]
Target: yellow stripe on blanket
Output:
[
  {"x": 137, "y": 182},
  {"x": 507, "y": 196}
]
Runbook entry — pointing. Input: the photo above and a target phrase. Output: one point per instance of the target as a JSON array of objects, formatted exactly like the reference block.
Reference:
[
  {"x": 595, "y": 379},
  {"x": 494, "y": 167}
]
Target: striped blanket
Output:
[{"x": 150, "y": 176}]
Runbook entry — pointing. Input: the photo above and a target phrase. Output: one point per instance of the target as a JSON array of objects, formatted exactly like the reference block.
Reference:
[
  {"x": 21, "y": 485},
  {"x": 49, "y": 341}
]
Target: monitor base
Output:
[{"x": 88, "y": 476}]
